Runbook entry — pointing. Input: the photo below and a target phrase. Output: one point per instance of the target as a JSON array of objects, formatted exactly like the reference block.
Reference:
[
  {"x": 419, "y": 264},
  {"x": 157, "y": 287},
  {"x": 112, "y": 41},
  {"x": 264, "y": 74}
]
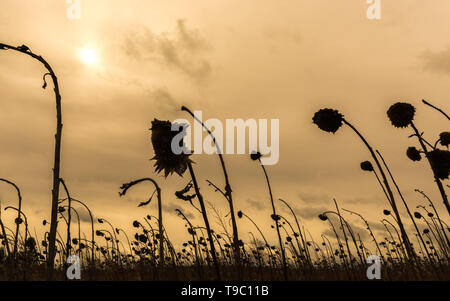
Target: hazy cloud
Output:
[
  {"x": 170, "y": 208},
  {"x": 437, "y": 61},
  {"x": 309, "y": 212},
  {"x": 182, "y": 50},
  {"x": 255, "y": 204}
]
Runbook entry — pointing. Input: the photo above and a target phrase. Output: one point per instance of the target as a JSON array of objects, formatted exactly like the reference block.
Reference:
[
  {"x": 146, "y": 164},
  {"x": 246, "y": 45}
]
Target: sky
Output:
[{"x": 230, "y": 59}]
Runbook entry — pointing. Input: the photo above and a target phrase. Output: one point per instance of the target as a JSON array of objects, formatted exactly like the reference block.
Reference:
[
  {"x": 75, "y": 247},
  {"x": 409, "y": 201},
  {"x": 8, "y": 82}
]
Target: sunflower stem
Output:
[
  {"x": 388, "y": 188},
  {"x": 205, "y": 218},
  {"x": 437, "y": 180},
  {"x": 283, "y": 255}
]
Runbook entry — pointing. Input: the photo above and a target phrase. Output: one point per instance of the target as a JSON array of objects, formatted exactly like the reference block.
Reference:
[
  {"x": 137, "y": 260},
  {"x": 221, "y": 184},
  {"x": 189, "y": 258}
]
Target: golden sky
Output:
[{"x": 230, "y": 59}]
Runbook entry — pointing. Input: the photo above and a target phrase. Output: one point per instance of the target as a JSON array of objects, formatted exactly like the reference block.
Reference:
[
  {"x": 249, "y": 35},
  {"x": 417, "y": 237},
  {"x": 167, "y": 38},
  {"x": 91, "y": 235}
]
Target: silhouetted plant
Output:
[
  {"x": 57, "y": 155},
  {"x": 402, "y": 115},
  {"x": 330, "y": 120}
]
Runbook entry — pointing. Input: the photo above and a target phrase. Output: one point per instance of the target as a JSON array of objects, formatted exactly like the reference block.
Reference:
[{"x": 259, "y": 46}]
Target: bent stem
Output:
[
  {"x": 404, "y": 202},
  {"x": 69, "y": 218},
  {"x": 437, "y": 180},
  {"x": 57, "y": 154},
  {"x": 388, "y": 188},
  {"x": 205, "y": 218},
  {"x": 127, "y": 186},
  {"x": 275, "y": 218},
  {"x": 19, "y": 196},
  {"x": 228, "y": 190},
  {"x": 436, "y": 108}
]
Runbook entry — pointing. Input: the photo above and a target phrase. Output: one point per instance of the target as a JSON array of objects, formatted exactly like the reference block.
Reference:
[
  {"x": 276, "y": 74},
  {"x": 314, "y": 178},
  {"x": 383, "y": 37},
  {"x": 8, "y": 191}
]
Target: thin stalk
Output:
[
  {"x": 388, "y": 188},
  {"x": 205, "y": 218},
  {"x": 57, "y": 154},
  {"x": 275, "y": 217},
  {"x": 436, "y": 179}
]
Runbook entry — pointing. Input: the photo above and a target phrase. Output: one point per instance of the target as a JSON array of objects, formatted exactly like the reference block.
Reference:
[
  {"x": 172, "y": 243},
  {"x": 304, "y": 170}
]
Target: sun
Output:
[{"x": 88, "y": 56}]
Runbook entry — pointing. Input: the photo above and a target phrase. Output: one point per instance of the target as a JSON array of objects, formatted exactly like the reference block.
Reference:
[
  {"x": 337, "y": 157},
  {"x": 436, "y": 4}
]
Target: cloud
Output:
[
  {"x": 313, "y": 197},
  {"x": 182, "y": 50},
  {"x": 255, "y": 204},
  {"x": 437, "y": 61},
  {"x": 170, "y": 208},
  {"x": 309, "y": 213},
  {"x": 164, "y": 101}
]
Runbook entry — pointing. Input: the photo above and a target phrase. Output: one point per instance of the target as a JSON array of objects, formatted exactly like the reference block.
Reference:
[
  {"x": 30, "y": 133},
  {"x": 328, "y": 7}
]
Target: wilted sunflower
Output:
[
  {"x": 401, "y": 114},
  {"x": 328, "y": 120},
  {"x": 275, "y": 217},
  {"x": 440, "y": 162},
  {"x": 30, "y": 243},
  {"x": 413, "y": 153},
  {"x": 367, "y": 166},
  {"x": 386, "y": 212},
  {"x": 166, "y": 159},
  {"x": 255, "y": 155},
  {"x": 444, "y": 138},
  {"x": 240, "y": 214},
  {"x": 323, "y": 217},
  {"x": 417, "y": 215}
]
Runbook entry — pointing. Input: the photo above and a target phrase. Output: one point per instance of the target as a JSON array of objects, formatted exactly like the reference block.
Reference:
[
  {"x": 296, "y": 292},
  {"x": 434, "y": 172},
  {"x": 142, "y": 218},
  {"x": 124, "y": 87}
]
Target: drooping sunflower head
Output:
[
  {"x": 323, "y": 217},
  {"x": 444, "y": 138},
  {"x": 440, "y": 162},
  {"x": 401, "y": 114},
  {"x": 413, "y": 153},
  {"x": 166, "y": 158},
  {"x": 328, "y": 120},
  {"x": 366, "y": 166}
]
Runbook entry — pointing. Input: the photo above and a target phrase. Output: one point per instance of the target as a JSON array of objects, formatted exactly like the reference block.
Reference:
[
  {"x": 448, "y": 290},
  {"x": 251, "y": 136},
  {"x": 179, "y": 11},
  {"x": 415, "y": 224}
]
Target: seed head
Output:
[
  {"x": 444, "y": 138},
  {"x": 386, "y": 212},
  {"x": 401, "y": 114},
  {"x": 255, "y": 156},
  {"x": 275, "y": 217},
  {"x": 417, "y": 215},
  {"x": 413, "y": 153},
  {"x": 440, "y": 163},
  {"x": 323, "y": 217},
  {"x": 328, "y": 120},
  {"x": 367, "y": 166}
]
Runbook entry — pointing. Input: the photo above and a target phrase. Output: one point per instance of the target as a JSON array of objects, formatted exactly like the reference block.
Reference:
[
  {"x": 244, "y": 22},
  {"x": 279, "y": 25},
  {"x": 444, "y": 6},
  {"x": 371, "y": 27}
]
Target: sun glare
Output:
[{"x": 88, "y": 56}]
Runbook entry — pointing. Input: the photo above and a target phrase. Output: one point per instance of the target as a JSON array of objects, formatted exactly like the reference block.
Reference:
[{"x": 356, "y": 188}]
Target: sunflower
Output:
[
  {"x": 440, "y": 162},
  {"x": 367, "y": 166},
  {"x": 255, "y": 156},
  {"x": 166, "y": 159},
  {"x": 328, "y": 120},
  {"x": 444, "y": 138},
  {"x": 401, "y": 114},
  {"x": 413, "y": 153},
  {"x": 323, "y": 217}
]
